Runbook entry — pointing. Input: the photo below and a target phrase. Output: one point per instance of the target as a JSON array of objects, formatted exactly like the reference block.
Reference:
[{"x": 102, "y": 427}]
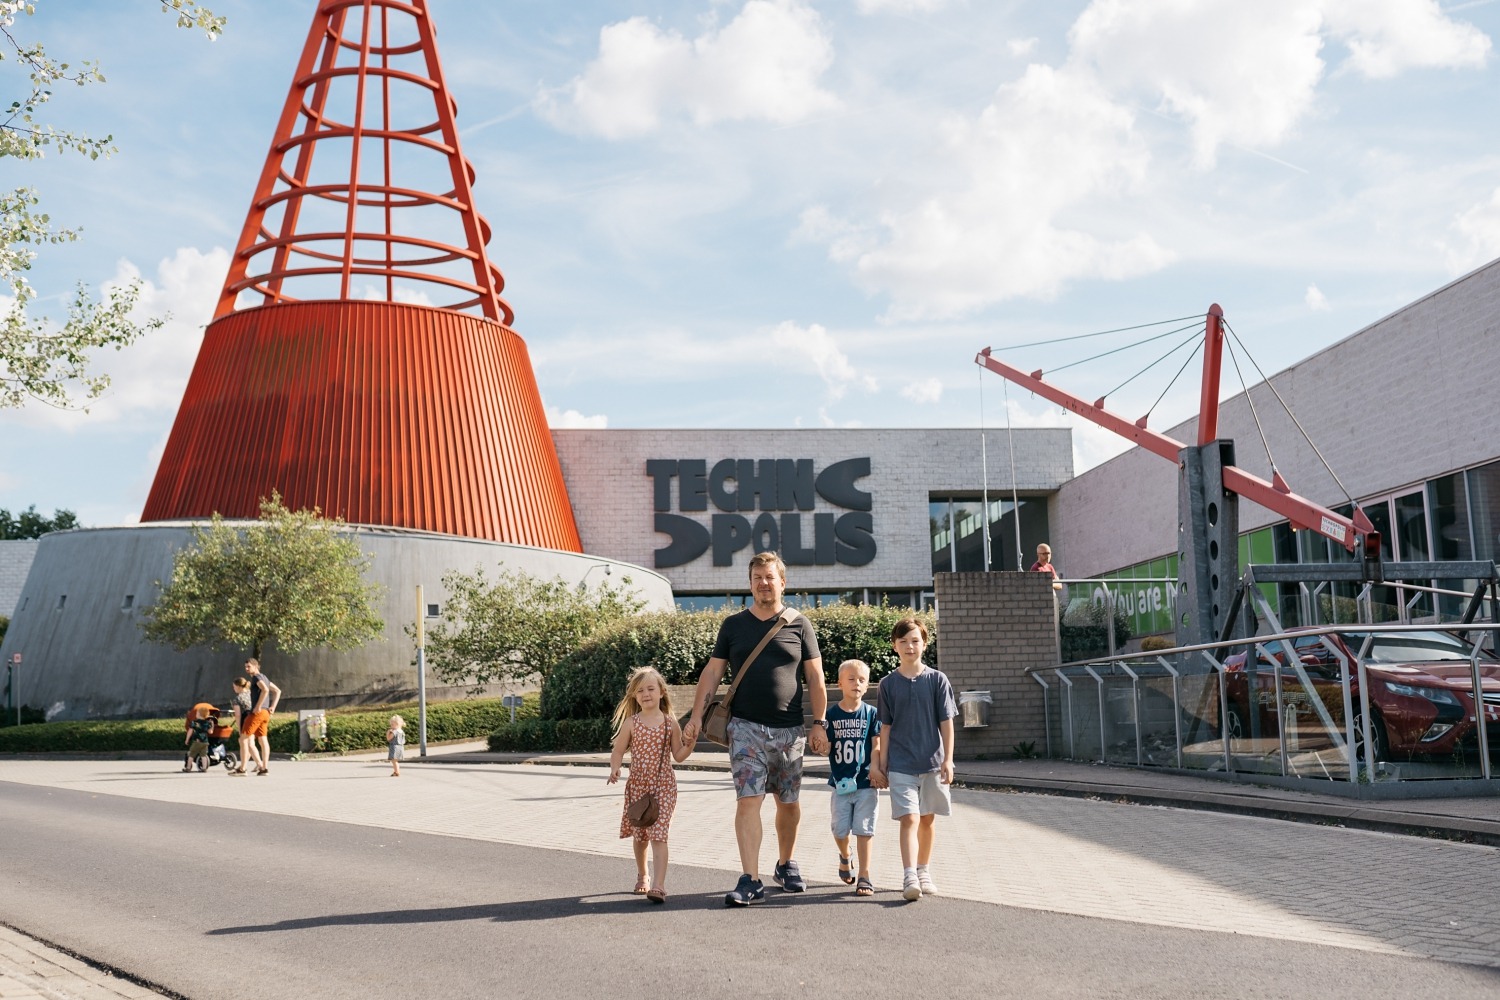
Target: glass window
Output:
[
  {"x": 1484, "y": 510},
  {"x": 968, "y": 536},
  {"x": 1448, "y": 507},
  {"x": 940, "y": 524}
]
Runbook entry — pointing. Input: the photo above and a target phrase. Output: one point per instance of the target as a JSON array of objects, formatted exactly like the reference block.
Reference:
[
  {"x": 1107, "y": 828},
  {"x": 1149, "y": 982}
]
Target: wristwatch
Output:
[{"x": 821, "y": 723}]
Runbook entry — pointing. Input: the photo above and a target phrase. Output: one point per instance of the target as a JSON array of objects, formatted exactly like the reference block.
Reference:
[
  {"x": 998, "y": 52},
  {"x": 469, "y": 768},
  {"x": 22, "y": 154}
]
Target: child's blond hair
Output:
[
  {"x": 628, "y": 707},
  {"x": 397, "y": 722}
]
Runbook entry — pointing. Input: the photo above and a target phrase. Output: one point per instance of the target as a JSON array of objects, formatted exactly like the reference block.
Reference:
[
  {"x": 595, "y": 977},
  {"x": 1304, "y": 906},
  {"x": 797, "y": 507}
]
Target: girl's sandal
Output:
[
  {"x": 864, "y": 887},
  {"x": 846, "y": 871},
  {"x": 641, "y": 885},
  {"x": 657, "y": 895}
]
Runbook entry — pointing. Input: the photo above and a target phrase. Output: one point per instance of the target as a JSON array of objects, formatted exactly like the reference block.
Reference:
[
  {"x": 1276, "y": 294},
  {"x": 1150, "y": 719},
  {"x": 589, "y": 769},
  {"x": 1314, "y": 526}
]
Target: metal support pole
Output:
[
  {"x": 1046, "y": 711},
  {"x": 1099, "y": 691},
  {"x": 1067, "y": 702},
  {"x": 1176, "y": 706},
  {"x": 1135, "y": 711},
  {"x": 421, "y": 675},
  {"x": 1479, "y": 714}
]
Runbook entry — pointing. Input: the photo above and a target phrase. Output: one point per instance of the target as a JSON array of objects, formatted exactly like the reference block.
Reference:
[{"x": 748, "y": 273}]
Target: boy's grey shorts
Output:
[
  {"x": 854, "y": 813},
  {"x": 922, "y": 794}
]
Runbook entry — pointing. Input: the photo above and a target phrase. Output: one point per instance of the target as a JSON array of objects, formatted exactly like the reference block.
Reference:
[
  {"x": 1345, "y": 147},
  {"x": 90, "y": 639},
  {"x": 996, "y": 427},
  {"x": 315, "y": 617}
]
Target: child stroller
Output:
[{"x": 206, "y": 753}]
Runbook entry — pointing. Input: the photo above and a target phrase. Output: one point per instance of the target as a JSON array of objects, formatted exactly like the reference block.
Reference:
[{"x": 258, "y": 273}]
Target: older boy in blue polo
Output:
[
  {"x": 853, "y": 734},
  {"x": 915, "y": 758}
]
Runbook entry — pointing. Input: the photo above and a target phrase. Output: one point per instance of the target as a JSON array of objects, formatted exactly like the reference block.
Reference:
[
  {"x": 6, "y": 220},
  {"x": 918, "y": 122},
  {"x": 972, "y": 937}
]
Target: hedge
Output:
[
  {"x": 348, "y": 730},
  {"x": 588, "y": 684},
  {"x": 541, "y": 735}
]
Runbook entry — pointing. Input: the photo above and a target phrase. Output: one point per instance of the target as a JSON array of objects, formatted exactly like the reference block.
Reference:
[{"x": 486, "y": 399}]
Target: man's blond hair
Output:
[{"x": 767, "y": 559}]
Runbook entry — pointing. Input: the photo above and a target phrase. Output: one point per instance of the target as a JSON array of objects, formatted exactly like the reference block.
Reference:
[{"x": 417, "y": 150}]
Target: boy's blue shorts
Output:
[{"x": 854, "y": 813}]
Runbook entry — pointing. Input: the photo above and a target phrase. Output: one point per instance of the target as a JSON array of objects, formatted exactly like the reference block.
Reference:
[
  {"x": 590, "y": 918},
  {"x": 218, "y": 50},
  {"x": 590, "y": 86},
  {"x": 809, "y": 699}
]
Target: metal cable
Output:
[
  {"x": 1127, "y": 347},
  {"x": 1101, "y": 333},
  {"x": 1264, "y": 441},
  {"x": 1305, "y": 436},
  {"x": 1168, "y": 389},
  {"x": 1155, "y": 363}
]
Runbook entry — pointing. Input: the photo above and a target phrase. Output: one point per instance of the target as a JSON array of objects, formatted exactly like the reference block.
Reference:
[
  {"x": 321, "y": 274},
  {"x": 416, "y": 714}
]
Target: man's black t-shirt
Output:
[
  {"x": 259, "y": 690},
  {"x": 771, "y": 694}
]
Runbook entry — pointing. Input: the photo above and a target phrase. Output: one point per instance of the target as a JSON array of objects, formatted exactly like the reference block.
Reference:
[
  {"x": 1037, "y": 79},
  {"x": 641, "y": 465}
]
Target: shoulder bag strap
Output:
[{"x": 786, "y": 617}]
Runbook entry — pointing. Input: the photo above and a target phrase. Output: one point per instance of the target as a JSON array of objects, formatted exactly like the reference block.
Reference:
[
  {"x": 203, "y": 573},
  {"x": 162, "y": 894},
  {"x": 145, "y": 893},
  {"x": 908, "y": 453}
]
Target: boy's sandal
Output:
[
  {"x": 657, "y": 895},
  {"x": 641, "y": 885},
  {"x": 846, "y": 871},
  {"x": 864, "y": 887}
]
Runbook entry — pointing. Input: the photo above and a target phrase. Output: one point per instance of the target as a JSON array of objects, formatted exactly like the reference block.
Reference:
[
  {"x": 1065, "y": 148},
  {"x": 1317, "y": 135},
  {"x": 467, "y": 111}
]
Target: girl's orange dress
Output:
[{"x": 650, "y": 771}]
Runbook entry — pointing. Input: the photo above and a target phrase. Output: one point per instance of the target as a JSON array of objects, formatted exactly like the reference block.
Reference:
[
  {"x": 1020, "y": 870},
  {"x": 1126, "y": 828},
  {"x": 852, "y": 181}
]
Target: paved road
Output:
[{"x": 452, "y": 879}]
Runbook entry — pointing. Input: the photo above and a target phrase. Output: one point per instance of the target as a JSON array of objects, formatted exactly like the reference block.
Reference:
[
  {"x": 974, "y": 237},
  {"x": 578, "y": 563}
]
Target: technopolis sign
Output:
[{"x": 782, "y": 490}]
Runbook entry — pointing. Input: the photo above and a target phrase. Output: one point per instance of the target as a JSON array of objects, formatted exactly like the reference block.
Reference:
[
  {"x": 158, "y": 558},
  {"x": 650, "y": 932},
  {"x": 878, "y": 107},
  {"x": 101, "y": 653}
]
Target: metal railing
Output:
[{"x": 1260, "y": 706}]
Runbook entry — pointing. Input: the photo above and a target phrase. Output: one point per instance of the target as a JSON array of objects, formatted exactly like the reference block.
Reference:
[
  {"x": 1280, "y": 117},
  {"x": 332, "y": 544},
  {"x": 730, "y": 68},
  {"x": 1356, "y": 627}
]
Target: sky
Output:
[{"x": 812, "y": 213}]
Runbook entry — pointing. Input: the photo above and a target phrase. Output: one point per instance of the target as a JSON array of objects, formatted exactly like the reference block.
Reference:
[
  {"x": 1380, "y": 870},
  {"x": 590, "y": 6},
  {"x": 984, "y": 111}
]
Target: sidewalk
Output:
[
  {"x": 30, "y": 970},
  {"x": 1473, "y": 820}
]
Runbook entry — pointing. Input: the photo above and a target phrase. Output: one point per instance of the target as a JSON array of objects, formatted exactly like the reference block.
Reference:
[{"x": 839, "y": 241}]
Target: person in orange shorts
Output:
[{"x": 264, "y": 696}]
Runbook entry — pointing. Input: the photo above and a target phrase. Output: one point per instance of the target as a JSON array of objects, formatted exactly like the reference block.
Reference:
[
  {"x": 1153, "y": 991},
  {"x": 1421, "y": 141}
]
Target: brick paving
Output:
[{"x": 1207, "y": 871}]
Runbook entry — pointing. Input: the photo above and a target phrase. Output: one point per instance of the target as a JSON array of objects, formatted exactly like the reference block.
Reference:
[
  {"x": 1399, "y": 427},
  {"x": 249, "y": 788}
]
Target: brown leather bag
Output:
[
  {"x": 716, "y": 715},
  {"x": 644, "y": 811}
]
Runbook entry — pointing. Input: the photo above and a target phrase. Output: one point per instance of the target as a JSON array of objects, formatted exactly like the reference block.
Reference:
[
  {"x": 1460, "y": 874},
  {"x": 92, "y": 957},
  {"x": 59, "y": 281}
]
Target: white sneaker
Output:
[
  {"x": 924, "y": 880},
  {"x": 911, "y": 888}
]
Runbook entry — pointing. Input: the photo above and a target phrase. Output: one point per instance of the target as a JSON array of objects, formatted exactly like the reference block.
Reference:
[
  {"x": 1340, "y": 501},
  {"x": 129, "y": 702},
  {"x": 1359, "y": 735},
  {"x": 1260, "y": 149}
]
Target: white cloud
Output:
[
  {"x": 147, "y": 379},
  {"x": 1478, "y": 235},
  {"x": 763, "y": 65},
  {"x": 1043, "y": 147},
  {"x": 817, "y": 346},
  {"x": 1021, "y": 46},
  {"x": 1387, "y": 36},
  {"x": 927, "y": 390},
  {"x": 1316, "y": 300},
  {"x": 900, "y": 6},
  {"x": 1232, "y": 70},
  {"x": 572, "y": 419}
]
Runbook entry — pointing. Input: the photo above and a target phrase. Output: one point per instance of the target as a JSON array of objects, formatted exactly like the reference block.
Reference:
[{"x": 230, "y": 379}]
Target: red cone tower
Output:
[{"x": 360, "y": 359}]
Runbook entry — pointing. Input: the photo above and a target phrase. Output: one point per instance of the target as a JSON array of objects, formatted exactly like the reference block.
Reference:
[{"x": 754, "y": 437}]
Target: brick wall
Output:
[
  {"x": 15, "y": 562},
  {"x": 993, "y": 627}
]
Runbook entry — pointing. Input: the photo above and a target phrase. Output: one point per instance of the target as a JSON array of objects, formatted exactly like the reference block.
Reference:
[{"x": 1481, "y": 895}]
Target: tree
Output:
[
  {"x": 30, "y": 524},
  {"x": 294, "y": 577},
  {"x": 517, "y": 627},
  {"x": 39, "y": 359}
]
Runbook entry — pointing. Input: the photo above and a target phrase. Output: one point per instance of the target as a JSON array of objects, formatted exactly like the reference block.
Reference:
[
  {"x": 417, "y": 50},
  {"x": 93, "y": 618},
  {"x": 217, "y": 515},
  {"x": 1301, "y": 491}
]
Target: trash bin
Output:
[
  {"x": 974, "y": 708},
  {"x": 312, "y": 729}
]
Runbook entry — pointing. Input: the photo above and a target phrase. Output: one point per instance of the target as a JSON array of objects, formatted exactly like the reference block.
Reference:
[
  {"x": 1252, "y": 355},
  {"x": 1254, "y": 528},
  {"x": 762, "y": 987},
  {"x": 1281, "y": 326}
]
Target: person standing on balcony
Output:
[{"x": 1043, "y": 564}]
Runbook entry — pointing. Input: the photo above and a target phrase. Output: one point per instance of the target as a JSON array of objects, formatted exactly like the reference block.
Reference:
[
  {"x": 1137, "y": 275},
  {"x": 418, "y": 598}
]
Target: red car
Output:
[{"x": 1421, "y": 688}]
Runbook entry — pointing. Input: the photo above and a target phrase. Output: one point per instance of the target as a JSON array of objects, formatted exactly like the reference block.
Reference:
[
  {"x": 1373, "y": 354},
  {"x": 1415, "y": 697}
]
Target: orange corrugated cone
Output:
[{"x": 360, "y": 359}]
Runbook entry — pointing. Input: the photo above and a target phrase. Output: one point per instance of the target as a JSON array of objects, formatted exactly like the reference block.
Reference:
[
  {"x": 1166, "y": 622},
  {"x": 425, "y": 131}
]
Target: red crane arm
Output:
[{"x": 1275, "y": 496}]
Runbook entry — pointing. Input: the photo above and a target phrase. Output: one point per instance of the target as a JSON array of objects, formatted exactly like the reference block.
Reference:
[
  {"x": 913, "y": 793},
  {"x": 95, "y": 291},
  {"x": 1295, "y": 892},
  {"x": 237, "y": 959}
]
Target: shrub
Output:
[
  {"x": 1083, "y": 632},
  {"x": 29, "y": 716},
  {"x": 1154, "y": 643},
  {"x": 347, "y": 731},
  {"x": 588, "y": 683},
  {"x": 540, "y": 735}
]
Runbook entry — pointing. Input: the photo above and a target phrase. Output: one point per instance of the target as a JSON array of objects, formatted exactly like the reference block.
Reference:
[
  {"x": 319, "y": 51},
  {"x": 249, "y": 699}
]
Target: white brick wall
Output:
[
  {"x": 15, "y": 562},
  {"x": 1406, "y": 399},
  {"x": 612, "y": 494}
]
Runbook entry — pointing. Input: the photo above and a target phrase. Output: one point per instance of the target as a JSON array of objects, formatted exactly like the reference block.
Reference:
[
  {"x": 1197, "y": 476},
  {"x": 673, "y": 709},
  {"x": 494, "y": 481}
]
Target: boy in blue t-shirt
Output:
[{"x": 853, "y": 737}]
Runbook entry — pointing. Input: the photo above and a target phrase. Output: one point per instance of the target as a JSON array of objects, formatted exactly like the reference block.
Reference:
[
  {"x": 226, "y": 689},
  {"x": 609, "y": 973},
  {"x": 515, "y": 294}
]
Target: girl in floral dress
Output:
[{"x": 644, "y": 722}]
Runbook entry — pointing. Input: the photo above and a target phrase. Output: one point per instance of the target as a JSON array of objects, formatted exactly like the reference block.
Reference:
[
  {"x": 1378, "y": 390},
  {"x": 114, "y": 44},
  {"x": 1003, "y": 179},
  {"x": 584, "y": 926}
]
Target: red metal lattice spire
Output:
[{"x": 360, "y": 359}]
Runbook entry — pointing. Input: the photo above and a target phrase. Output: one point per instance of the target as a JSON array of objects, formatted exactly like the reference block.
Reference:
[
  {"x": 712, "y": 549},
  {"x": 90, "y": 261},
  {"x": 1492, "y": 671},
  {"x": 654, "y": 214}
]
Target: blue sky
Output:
[{"x": 780, "y": 213}]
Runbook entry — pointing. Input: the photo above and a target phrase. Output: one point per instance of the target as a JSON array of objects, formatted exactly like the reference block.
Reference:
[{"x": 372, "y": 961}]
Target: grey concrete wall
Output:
[
  {"x": 994, "y": 627},
  {"x": 612, "y": 494},
  {"x": 16, "y": 555},
  {"x": 1406, "y": 399},
  {"x": 84, "y": 655}
]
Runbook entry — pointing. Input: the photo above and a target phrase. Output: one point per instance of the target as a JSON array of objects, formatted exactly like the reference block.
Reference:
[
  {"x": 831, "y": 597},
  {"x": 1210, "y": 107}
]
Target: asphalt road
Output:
[{"x": 215, "y": 903}]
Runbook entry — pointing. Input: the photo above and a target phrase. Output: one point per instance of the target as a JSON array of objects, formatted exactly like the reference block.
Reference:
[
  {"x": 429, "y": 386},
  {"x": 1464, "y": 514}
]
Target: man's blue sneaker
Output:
[
  {"x": 745, "y": 892},
  {"x": 789, "y": 877}
]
